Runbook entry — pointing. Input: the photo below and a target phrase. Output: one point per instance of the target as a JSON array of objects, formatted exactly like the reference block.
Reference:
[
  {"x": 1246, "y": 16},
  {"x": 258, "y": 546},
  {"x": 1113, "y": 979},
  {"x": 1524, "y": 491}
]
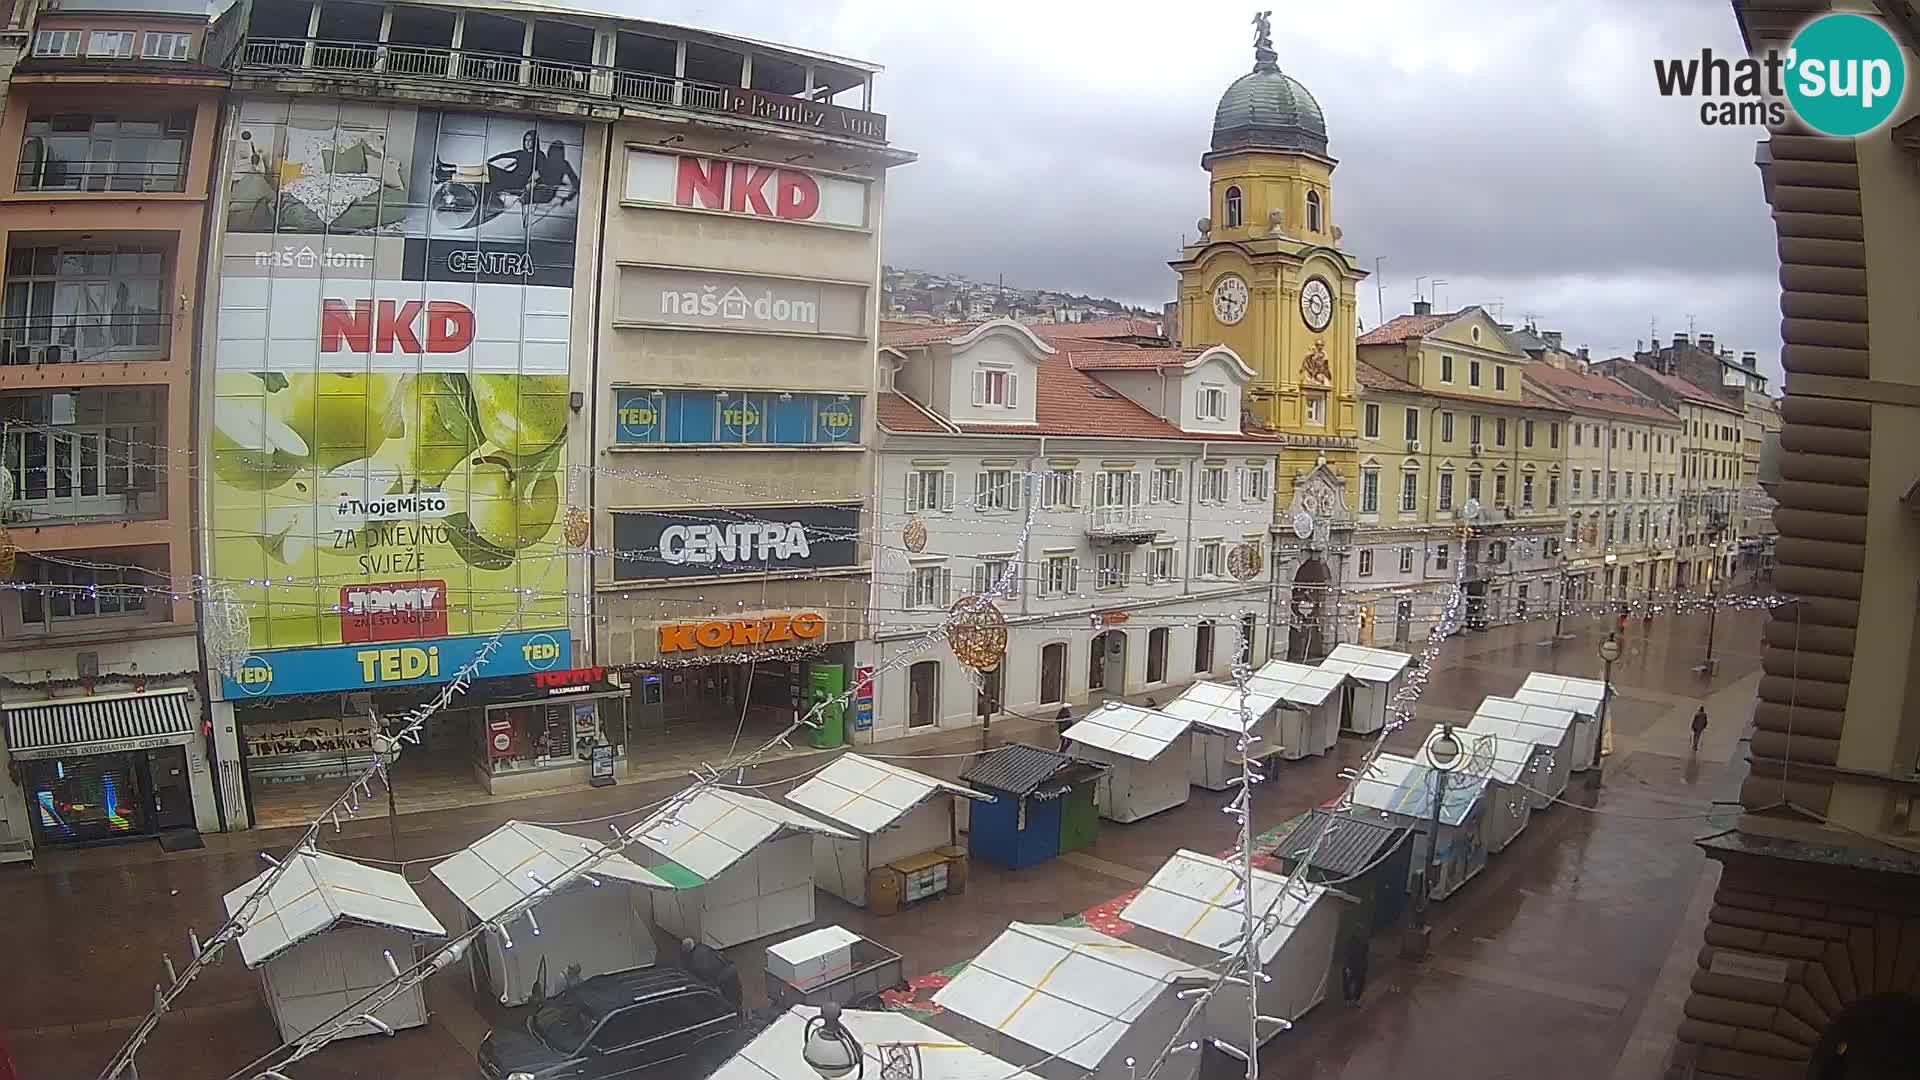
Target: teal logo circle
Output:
[{"x": 1845, "y": 74}]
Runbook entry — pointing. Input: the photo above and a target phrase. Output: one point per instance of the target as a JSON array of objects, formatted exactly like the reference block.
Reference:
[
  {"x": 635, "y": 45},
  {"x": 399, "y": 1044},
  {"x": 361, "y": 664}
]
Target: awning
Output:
[{"x": 100, "y": 725}]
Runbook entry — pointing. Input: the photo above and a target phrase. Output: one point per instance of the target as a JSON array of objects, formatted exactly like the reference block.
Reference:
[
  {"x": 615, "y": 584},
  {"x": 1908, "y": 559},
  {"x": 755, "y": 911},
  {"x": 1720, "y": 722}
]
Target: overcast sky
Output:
[{"x": 1516, "y": 149}]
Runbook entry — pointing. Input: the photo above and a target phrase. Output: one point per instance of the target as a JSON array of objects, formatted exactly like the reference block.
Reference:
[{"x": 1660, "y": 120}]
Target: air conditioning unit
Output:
[
  {"x": 1474, "y": 449},
  {"x": 1413, "y": 446}
]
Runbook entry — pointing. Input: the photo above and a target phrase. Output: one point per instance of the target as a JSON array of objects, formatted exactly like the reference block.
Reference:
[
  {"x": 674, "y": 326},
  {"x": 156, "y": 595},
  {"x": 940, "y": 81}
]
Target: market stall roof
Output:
[
  {"x": 318, "y": 890},
  {"x": 1397, "y": 785},
  {"x": 775, "y": 1054},
  {"x": 517, "y": 860},
  {"x": 1196, "y": 898},
  {"x": 1365, "y": 664},
  {"x": 1128, "y": 730},
  {"x": 717, "y": 828},
  {"x": 1022, "y": 770},
  {"x": 1545, "y": 725},
  {"x": 1216, "y": 706},
  {"x": 1063, "y": 990},
  {"x": 1563, "y": 692},
  {"x": 1349, "y": 846},
  {"x": 1298, "y": 684},
  {"x": 1487, "y": 755},
  {"x": 868, "y": 795}
]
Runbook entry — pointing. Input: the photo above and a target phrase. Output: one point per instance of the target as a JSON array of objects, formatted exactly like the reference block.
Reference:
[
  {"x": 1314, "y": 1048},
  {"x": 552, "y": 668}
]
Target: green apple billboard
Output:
[{"x": 388, "y": 437}]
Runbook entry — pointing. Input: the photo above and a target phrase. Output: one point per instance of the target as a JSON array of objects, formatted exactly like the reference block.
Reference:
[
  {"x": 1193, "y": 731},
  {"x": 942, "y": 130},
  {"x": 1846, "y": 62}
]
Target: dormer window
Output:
[
  {"x": 1313, "y": 211},
  {"x": 996, "y": 387},
  {"x": 1230, "y": 211},
  {"x": 1213, "y": 403}
]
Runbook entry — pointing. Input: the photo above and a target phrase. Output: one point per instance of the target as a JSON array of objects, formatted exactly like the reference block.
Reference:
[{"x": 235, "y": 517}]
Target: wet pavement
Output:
[{"x": 1568, "y": 956}]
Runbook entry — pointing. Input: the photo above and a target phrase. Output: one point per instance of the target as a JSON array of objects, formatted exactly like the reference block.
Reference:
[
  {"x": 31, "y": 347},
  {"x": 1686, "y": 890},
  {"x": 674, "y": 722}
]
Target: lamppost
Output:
[
  {"x": 829, "y": 1048},
  {"x": 1711, "y": 663},
  {"x": 1609, "y": 652},
  {"x": 1560, "y": 610},
  {"x": 1443, "y": 753}
]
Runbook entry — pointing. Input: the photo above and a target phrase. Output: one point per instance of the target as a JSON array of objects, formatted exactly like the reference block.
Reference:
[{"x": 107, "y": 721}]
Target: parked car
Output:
[{"x": 656, "y": 1021}]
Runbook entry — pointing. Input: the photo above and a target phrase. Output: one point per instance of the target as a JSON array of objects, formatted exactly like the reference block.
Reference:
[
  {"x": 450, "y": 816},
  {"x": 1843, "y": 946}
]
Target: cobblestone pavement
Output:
[{"x": 1568, "y": 956}]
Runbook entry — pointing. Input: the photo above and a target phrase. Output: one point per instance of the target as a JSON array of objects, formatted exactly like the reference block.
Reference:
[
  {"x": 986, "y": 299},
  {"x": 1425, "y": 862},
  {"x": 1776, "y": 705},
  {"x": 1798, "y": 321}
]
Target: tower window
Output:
[
  {"x": 1231, "y": 211},
  {"x": 1313, "y": 211}
]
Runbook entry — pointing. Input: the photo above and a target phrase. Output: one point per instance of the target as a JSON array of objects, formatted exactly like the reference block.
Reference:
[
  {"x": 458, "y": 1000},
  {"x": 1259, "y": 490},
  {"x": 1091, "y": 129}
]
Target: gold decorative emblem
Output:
[
  {"x": 977, "y": 632},
  {"x": 914, "y": 536},
  {"x": 1245, "y": 561},
  {"x": 1315, "y": 366},
  {"x": 577, "y": 527}
]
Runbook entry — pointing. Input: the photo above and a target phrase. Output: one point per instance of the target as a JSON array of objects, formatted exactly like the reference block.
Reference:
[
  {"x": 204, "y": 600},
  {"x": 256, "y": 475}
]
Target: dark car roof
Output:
[{"x": 604, "y": 993}]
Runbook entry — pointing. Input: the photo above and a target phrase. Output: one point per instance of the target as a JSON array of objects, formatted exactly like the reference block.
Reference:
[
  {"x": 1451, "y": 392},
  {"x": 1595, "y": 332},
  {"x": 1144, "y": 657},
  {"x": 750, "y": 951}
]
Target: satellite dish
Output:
[{"x": 1303, "y": 524}]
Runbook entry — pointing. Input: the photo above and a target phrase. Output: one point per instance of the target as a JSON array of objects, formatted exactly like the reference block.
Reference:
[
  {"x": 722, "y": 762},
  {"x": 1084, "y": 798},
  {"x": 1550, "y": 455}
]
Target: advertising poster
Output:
[{"x": 388, "y": 438}]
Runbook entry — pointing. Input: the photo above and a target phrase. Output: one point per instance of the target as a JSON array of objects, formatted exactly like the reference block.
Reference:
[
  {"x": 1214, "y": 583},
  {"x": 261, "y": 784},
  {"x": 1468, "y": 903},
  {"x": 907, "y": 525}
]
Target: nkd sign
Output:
[
  {"x": 708, "y": 542},
  {"x": 748, "y": 188},
  {"x": 650, "y": 295}
]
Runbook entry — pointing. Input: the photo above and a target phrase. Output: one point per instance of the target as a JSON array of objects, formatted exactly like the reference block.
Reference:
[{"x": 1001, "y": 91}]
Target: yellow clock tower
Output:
[{"x": 1267, "y": 276}]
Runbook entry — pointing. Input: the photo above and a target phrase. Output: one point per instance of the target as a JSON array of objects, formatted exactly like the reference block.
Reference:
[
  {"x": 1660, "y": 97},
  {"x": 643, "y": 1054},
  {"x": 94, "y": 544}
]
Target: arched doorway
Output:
[
  {"x": 1107, "y": 666},
  {"x": 1312, "y": 597},
  {"x": 1871, "y": 1040},
  {"x": 923, "y": 694}
]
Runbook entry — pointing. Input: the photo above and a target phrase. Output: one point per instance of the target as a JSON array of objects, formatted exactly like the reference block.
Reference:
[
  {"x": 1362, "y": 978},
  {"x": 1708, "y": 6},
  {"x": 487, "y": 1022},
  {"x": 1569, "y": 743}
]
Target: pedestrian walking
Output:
[
  {"x": 1063, "y": 720},
  {"x": 1353, "y": 967},
  {"x": 1699, "y": 726},
  {"x": 711, "y": 966}
]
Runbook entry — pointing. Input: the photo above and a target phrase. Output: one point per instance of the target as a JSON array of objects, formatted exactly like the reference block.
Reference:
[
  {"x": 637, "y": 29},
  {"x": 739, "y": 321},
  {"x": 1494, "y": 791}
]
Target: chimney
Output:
[
  {"x": 1749, "y": 361},
  {"x": 1706, "y": 343},
  {"x": 1553, "y": 338},
  {"x": 1679, "y": 341},
  {"x": 1423, "y": 307},
  {"x": 1585, "y": 357}
]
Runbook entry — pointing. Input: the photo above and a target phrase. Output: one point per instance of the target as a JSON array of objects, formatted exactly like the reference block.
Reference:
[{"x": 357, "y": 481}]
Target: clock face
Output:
[
  {"x": 1316, "y": 304},
  {"x": 1303, "y": 524},
  {"x": 1230, "y": 299}
]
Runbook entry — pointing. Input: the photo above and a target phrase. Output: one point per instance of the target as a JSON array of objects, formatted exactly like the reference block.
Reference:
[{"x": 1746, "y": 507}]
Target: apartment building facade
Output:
[
  {"x": 1453, "y": 439},
  {"x": 106, "y": 158},
  {"x": 1097, "y": 492}
]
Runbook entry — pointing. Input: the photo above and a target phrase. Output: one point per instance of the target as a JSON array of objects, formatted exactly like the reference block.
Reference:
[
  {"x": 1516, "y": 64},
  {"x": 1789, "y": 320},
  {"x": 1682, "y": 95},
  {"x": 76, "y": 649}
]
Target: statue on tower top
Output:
[{"x": 1263, "y": 53}]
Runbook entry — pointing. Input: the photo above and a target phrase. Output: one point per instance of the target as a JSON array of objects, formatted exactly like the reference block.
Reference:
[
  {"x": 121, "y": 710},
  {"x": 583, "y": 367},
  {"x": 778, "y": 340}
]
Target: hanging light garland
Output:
[
  {"x": 1245, "y": 562},
  {"x": 229, "y": 632},
  {"x": 914, "y": 536},
  {"x": 577, "y": 527},
  {"x": 977, "y": 632}
]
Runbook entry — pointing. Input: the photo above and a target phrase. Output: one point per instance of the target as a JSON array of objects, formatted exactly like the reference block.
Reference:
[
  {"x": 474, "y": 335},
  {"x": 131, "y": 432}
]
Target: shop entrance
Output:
[
  {"x": 96, "y": 798},
  {"x": 711, "y": 712}
]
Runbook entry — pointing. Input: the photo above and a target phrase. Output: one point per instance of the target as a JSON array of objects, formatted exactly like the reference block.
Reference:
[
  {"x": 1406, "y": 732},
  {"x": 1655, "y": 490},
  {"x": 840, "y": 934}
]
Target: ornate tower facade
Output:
[{"x": 1267, "y": 276}]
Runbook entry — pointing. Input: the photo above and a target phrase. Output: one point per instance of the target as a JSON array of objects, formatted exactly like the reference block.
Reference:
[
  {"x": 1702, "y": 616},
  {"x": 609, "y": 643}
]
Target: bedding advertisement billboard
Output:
[{"x": 389, "y": 427}]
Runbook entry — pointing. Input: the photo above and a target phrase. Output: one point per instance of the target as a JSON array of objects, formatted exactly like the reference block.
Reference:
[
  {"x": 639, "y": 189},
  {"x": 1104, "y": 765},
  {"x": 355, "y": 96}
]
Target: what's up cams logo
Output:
[{"x": 1842, "y": 75}]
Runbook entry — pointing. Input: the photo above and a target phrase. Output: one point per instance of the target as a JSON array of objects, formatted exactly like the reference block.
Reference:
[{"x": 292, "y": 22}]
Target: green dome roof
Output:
[{"x": 1266, "y": 109}]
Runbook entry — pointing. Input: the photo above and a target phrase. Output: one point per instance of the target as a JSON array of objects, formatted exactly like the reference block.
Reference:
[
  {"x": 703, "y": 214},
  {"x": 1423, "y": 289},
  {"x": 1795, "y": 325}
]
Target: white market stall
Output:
[
  {"x": 1581, "y": 697},
  {"x": 593, "y": 925},
  {"x": 1192, "y": 898},
  {"x": 1400, "y": 790},
  {"x": 741, "y": 866},
  {"x": 1547, "y": 729},
  {"x": 898, "y": 1045},
  {"x": 1146, "y": 755},
  {"x": 904, "y": 825},
  {"x": 1311, "y": 725},
  {"x": 321, "y": 939},
  {"x": 1373, "y": 678},
  {"x": 1214, "y": 711},
  {"x": 1082, "y": 1001},
  {"x": 1506, "y": 766}
]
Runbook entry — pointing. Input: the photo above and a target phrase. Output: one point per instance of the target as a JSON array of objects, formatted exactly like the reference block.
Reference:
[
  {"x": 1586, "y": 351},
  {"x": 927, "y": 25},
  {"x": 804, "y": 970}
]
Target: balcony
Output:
[
  {"x": 85, "y": 338},
  {"x": 1120, "y": 525},
  {"x": 83, "y": 456}
]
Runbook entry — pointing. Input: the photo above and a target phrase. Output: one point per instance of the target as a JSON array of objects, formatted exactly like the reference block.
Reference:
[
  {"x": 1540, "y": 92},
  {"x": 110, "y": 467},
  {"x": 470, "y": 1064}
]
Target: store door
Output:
[
  {"x": 88, "y": 799},
  {"x": 172, "y": 790},
  {"x": 923, "y": 694},
  {"x": 1402, "y": 622}
]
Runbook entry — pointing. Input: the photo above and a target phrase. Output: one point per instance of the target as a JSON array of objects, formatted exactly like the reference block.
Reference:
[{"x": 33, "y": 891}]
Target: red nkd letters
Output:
[
  {"x": 389, "y": 326},
  {"x": 740, "y": 188}
]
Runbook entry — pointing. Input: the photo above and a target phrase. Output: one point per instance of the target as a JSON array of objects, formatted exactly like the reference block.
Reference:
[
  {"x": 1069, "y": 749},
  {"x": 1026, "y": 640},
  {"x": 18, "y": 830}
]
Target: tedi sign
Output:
[{"x": 1843, "y": 75}]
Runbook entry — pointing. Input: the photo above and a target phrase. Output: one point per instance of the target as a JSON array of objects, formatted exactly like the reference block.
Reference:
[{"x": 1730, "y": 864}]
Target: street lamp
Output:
[
  {"x": 829, "y": 1048},
  {"x": 1711, "y": 663},
  {"x": 1560, "y": 610},
  {"x": 1609, "y": 652},
  {"x": 1443, "y": 754}
]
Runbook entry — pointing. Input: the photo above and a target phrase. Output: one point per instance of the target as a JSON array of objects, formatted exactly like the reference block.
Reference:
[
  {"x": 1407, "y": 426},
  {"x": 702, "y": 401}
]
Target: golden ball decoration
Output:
[
  {"x": 914, "y": 536},
  {"x": 578, "y": 527},
  {"x": 8, "y": 553},
  {"x": 977, "y": 632},
  {"x": 1245, "y": 562}
]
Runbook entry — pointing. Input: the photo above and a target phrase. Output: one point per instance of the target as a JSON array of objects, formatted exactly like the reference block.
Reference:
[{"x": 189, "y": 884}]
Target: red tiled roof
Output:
[
  {"x": 1097, "y": 329},
  {"x": 1401, "y": 327},
  {"x": 1087, "y": 356},
  {"x": 1591, "y": 392},
  {"x": 908, "y": 335},
  {"x": 1685, "y": 389},
  {"x": 1374, "y": 379},
  {"x": 896, "y": 413}
]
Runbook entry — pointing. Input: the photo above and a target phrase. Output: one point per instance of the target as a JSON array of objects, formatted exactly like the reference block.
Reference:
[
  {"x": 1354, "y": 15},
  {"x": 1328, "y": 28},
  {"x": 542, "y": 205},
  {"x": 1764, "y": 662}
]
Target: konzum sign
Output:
[{"x": 748, "y": 188}]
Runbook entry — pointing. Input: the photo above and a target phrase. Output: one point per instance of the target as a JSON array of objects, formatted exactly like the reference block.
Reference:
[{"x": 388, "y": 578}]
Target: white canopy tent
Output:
[
  {"x": 591, "y": 926},
  {"x": 321, "y": 937},
  {"x": 893, "y": 814},
  {"x": 741, "y": 866},
  {"x": 1400, "y": 790},
  {"x": 1507, "y": 766},
  {"x": 1080, "y": 999},
  {"x": 1547, "y": 729},
  {"x": 1373, "y": 678},
  {"x": 1214, "y": 711},
  {"x": 1581, "y": 697},
  {"x": 1311, "y": 726},
  {"x": 1146, "y": 757},
  {"x": 1196, "y": 899},
  {"x": 892, "y": 1043}
]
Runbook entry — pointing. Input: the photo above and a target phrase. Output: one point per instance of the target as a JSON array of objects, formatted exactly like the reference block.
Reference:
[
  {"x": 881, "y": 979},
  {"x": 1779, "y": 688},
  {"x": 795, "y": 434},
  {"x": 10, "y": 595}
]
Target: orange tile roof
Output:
[
  {"x": 897, "y": 413},
  {"x": 907, "y": 335},
  {"x": 1087, "y": 356},
  {"x": 1588, "y": 391},
  {"x": 1097, "y": 329},
  {"x": 1685, "y": 389},
  {"x": 1374, "y": 379},
  {"x": 1401, "y": 327}
]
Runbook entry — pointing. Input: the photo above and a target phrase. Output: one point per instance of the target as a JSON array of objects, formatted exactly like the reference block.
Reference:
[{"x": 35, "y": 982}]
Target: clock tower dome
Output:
[{"x": 1267, "y": 276}]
